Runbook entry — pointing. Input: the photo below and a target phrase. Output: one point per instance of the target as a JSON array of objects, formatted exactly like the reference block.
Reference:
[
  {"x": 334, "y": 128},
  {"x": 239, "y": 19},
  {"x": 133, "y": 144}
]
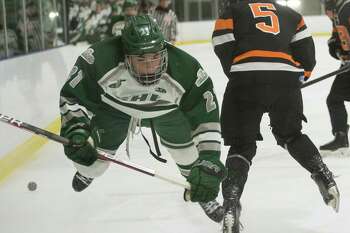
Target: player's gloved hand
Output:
[
  {"x": 302, "y": 79},
  {"x": 334, "y": 47},
  {"x": 344, "y": 57},
  {"x": 205, "y": 178},
  {"x": 82, "y": 149}
]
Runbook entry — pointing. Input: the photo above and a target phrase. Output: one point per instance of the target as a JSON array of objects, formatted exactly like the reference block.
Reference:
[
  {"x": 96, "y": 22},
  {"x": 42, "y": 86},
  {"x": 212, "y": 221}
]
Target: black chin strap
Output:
[{"x": 156, "y": 145}]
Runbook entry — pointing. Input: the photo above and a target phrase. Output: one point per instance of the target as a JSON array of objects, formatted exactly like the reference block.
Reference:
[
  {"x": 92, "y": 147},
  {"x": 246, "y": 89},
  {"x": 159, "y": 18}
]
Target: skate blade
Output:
[
  {"x": 334, "y": 203},
  {"x": 228, "y": 224}
]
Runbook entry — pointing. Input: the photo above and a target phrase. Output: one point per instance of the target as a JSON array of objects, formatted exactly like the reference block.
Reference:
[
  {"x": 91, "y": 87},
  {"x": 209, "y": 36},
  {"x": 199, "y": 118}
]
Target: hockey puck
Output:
[{"x": 32, "y": 186}]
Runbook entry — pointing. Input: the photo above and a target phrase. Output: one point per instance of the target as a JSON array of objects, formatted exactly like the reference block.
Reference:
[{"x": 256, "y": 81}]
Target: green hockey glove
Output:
[
  {"x": 205, "y": 178},
  {"x": 82, "y": 150}
]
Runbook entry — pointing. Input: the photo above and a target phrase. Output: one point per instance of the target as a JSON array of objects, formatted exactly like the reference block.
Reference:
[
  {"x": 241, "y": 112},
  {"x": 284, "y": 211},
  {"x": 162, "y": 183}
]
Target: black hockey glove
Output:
[
  {"x": 334, "y": 47},
  {"x": 82, "y": 149},
  {"x": 205, "y": 178}
]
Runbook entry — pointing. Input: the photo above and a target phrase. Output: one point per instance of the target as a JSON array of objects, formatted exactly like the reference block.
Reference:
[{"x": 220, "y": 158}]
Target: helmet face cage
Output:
[{"x": 147, "y": 69}]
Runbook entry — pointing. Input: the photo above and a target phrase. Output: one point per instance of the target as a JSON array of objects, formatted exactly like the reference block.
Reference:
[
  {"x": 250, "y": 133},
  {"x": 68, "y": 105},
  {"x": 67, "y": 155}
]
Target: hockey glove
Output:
[
  {"x": 82, "y": 149},
  {"x": 334, "y": 47},
  {"x": 205, "y": 178}
]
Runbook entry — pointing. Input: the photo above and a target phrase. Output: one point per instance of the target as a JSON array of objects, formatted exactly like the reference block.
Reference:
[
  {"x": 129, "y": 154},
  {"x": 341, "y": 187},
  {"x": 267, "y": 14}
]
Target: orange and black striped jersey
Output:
[
  {"x": 262, "y": 35},
  {"x": 340, "y": 16}
]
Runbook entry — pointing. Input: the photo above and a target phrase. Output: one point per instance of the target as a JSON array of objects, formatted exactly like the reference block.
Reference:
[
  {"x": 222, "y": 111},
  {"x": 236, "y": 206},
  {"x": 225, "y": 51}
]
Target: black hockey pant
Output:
[
  {"x": 242, "y": 110},
  {"x": 339, "y": 93}
]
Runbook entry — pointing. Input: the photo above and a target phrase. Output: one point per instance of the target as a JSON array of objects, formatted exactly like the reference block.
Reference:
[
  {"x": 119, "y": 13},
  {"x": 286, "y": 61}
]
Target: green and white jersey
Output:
[
  {"x": 123, "y": 92},
  {"x": 99, "y": 83}
]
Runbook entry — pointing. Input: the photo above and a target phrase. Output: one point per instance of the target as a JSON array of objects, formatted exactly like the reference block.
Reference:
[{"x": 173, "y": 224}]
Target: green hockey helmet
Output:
[
  {"x": 141, "y": 35},
  {"x": 146, "y": 56}
]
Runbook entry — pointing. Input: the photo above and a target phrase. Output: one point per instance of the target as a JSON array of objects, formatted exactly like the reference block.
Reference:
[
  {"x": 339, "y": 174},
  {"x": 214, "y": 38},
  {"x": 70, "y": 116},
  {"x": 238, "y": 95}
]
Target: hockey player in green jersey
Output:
[{"x": 139, "y": 78}]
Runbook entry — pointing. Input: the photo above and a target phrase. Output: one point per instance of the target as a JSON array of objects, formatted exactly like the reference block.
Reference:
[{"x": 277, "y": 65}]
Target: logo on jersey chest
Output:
[
  {"x": 142, "y": 98},
  {"x": 116, "y": 84},
  {"x": 160, "y": 90}
]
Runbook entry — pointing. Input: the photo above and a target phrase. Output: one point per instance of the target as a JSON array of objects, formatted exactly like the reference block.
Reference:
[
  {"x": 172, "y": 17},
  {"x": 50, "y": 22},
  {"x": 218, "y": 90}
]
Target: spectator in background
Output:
[
  {"x": 79, "y": 13},
  {"x": 167, "y": 20},
  {"x": 11, "y": 41},
  {"x": 91, "y": 22},
  {"x": 33, "y": 27},
  {"x": 98, "y": 22},
  {"x": 146, "y": 7},
  {"x": 130, "y": 8},
  {"x": 117, "y": 7},
  {"x": 49, "y": 15}
]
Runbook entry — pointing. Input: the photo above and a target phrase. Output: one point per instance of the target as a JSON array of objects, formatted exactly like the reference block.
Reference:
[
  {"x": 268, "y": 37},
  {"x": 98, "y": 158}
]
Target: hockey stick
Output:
[
  {"x": 102, "y": 156},
  {"x": 341, "y": 70}
]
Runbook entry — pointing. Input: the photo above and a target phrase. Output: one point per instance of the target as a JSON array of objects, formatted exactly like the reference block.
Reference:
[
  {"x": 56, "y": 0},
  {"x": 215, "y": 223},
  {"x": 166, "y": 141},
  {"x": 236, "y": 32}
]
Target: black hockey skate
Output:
[
  {"x": 231, "y": 223},
  {"x": 213, "y": 210},
  {"x": 80, "y": 182},
  {"x": 327, "y": 186},
  {"x": 339, "y": 144}
]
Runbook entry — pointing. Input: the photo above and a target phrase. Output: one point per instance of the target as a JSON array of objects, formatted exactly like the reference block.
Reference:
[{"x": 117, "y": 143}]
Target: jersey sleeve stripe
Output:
[
  {"x": 264, "y": 53},
  {"x": 223, "y": 24},
  {"x": 185, "y": 156},
  {"x": 213, "y": 136},
  {"x": 176, "y": 145},
  {"x": 74, "y": 108},
  {"x": 207, "y": 127},
  {"x": 258, "y": 66},
  {"x": 301, "y": 35},
  {"x": 218, "y": 40},
  {"x": 209, "y": 146}
]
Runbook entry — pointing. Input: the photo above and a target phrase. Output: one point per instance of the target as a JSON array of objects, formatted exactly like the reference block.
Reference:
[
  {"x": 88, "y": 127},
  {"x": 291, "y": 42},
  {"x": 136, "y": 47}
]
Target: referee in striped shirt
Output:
[{"x": 167, "y": 20}]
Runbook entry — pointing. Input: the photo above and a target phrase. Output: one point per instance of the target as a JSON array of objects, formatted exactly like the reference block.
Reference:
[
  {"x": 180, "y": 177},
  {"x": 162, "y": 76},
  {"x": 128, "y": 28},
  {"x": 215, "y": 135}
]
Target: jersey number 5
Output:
[{"x": 258, "y": 12}]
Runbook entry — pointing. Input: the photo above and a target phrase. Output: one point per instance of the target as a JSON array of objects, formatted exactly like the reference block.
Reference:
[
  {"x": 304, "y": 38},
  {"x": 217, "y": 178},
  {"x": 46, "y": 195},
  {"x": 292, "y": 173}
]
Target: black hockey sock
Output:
[
  {"x": 233, "y": 185},
  {"x": 305, "y": 153}
]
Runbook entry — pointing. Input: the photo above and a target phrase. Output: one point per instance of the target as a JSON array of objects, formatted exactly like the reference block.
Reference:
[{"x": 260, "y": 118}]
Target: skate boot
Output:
[
  {"x": 80, "y": 182},
  {"x": 327, "y": 186},
  {"x": 231, "y": 223},
  {"x": 232, "y": 189},
  {"x": 340, "y": 144},
  {"x": 213, "y": 210}
]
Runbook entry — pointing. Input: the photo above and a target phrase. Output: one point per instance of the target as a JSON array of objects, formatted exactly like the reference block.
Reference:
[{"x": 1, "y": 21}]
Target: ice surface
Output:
[{"x": 279, "y": 195}]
